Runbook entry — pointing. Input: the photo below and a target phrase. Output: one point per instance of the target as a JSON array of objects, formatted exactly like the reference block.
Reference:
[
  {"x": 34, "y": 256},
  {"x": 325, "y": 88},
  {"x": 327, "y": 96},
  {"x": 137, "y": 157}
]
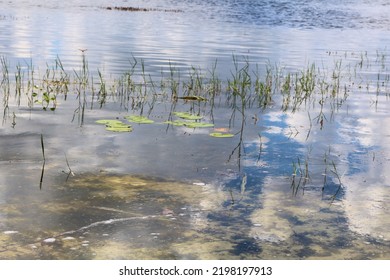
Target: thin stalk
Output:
[{"x": 44, "y": 162}]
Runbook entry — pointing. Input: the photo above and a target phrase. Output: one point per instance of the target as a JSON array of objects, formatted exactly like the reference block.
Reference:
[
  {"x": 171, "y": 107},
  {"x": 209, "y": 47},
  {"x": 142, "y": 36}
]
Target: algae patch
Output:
[{"x": 87, "y": 215}]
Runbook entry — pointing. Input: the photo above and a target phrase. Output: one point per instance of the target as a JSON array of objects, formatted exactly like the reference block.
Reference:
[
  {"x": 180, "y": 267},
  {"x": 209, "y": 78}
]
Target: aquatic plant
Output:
[
  {"x": 43, "y": 164},
  {"x": 187, "y": 116},
  {"x": 102, "y": 94},
  {"x": 115, "y": 125},
  {"x": 173, "y": 81},
  {"x": 264, "y": 89},
  {"x": 192, "y": 98},
  {"x": 240, "y": 85},
  {"x": 221, "y": 135},
  {"x": 189, "y": 124},
  {"x": 261, "y": 88},
  {"x": 338, "y": 176},
  {"x": 139, "y": 119},
  {"x": 198, "y": 124},
  {"x": 70, "y": 171},
  {"x": 5, "y": 85}
]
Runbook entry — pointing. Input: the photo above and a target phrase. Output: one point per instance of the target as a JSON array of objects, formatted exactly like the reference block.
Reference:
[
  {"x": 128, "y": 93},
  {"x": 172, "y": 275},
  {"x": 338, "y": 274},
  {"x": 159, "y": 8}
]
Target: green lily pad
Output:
[
  {"x": 115, "y": 125},
  {"x": 221, "y": 135},
  {"x": 198, "y": 125},
  {"x": 190, "y": 124},
  {"x": 119, "y": 128},
  {"x": 187, "y": 116},
  {"x": 109, "y": 122},
  {"x": 139, "y": 119}
]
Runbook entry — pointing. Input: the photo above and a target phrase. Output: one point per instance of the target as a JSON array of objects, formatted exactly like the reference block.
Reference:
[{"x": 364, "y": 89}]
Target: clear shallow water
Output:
[{"x": 176, "y": 193}]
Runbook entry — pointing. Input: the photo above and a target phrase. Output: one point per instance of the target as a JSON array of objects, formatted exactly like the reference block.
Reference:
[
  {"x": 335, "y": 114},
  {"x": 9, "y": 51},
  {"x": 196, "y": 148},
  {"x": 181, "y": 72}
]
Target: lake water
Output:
[{"x": 303, "y": 177}]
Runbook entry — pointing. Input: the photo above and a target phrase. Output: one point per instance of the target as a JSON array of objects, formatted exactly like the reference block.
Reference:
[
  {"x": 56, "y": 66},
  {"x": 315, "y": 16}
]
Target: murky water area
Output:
[{"x": 302, "y": 177}]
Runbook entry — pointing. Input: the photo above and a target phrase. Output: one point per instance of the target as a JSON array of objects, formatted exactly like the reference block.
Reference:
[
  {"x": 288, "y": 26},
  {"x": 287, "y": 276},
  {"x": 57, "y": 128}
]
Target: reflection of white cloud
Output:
[
  {"x": 21, "y": 41},
  {"x": 275, "y": 116},
  {"x": 358, "y": 142},
  {"x": 267, "y": 223},
  {"x": 367, "y": 206},
  {"x": 274, "y": 129},
  {"x": 368, "y": 191}
]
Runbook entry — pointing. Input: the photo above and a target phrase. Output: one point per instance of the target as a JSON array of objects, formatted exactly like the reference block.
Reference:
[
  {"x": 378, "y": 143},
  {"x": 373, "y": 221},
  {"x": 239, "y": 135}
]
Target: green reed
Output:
[
  {"x": 18, "y": 83},
  {"x": 5, "y": 85},
  {"x": 44, "y": 162},
  {"x": 264, "y": 89},
  {"x": 174, "y": 81},
  {"x": 248, "y": 85}
]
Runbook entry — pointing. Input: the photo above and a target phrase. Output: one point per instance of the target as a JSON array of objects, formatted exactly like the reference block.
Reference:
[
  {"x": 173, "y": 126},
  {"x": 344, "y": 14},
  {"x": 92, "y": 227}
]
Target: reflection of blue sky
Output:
[
  {"x": 357, "y": 160},
  {"x": 273, "y": 157},
  {"x": 278, "y": 152}
]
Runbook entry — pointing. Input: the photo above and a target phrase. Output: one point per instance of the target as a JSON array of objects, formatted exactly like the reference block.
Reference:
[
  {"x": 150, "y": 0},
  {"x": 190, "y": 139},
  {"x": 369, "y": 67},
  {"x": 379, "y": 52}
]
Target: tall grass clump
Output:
[
  {"x": 247, "y": 86},
  {"x": 240, "y": 85},
  {"x": 264, "y": 89},
  {"x": 82, "y": 85},
  {"x": 5, "y": 85}
]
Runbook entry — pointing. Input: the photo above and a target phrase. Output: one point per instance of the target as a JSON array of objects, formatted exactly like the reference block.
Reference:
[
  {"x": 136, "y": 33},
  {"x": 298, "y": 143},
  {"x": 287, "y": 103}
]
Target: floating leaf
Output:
[
  {"x": 115, "y": 125},
  {"x": 109, "y": 122},
  {"x": 221, "y": 135},
  {"x": 139, "y": 119},
  {"x": 198, "y": 125},
  {"x": 190, "y": 124},
  {"x": 187, "y": 116},
  {"x": 119, "y": 128},
  {"x": 192, "y": 97}
]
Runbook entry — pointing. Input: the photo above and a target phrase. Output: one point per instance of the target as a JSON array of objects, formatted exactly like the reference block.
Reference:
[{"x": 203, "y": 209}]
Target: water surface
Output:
[{"x": 300, "y": 183}]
